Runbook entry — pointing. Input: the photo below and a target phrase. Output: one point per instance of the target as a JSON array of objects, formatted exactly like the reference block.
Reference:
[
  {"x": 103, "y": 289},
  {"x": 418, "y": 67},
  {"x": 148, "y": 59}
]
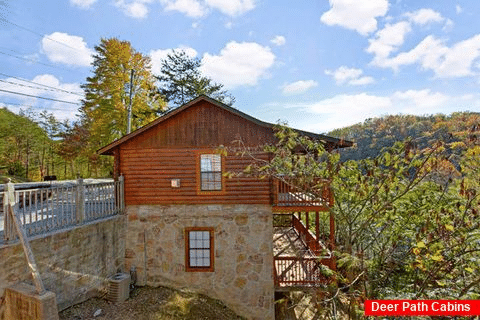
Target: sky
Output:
[{"x": 316, "y": 64}]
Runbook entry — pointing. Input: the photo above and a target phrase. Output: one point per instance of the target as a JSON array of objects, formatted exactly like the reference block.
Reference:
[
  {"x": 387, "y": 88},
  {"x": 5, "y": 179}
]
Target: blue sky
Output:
[{"x": 317, "y": 64}]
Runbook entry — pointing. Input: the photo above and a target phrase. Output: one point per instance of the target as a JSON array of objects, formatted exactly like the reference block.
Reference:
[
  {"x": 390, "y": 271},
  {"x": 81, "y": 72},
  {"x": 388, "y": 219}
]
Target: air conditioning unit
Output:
[{"x": 118, "y": 287}]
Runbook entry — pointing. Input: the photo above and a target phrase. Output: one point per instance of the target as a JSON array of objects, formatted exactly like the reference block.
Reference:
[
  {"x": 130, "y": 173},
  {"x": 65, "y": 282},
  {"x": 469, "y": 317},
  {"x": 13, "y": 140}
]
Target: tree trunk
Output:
[{"x": 26, "y": 164}]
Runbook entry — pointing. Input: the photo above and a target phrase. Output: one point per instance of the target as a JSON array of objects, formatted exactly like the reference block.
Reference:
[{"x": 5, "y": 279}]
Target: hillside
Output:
[{"x": 371, "y": 136}]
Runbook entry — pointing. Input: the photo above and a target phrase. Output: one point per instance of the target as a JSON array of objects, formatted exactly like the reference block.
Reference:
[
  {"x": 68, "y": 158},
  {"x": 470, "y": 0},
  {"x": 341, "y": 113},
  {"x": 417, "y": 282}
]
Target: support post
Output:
[
  {"x": 307, "y": 220},
  {"x": 8, "y": 225},
  {"x": 23, "y": 239},
  {"x": 122, "y": 193},
  {"x": 80, "y": 201},
  {"x": 332, "y": 231}
]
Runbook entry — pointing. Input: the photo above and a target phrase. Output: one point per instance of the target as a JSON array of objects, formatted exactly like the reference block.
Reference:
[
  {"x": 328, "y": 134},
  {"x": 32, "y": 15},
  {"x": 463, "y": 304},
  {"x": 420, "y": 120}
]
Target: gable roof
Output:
[{"x": 107, "y": 150}]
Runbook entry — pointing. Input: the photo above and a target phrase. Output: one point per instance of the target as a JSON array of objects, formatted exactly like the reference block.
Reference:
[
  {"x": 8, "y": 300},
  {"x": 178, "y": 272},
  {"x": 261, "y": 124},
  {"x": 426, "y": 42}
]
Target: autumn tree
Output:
[
  {"x": 181, "y": 80},
  {"x": 406, "y": 226},
  {"x": 107, "y": 93}
]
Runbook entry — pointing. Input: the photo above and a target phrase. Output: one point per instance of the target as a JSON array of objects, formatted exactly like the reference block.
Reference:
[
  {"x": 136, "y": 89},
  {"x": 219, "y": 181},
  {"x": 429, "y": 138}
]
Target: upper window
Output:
[
  {"x": 210, "y": 172},
  {"x": 199, "y": 249}
]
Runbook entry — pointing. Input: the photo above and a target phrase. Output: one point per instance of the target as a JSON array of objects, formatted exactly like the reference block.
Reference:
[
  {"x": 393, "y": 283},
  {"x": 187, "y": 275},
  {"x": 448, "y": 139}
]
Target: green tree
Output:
[
  {"x": 405, "y": 226},
  {"x": 21, "y": 144},
  {"x": 107, "y": 93},
  {"x": 54, "y": 130},
  {"x": 181, "y": 80}
]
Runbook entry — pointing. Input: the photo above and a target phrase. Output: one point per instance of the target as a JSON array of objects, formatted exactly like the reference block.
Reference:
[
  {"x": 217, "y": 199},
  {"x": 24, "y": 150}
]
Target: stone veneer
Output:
[
  {"x": 243, "y": 275},
  {"x": 73, "y": 263}
]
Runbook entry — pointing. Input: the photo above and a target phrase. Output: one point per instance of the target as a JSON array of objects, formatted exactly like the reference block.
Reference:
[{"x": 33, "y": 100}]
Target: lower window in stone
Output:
[{"x": 199, "y": 249}]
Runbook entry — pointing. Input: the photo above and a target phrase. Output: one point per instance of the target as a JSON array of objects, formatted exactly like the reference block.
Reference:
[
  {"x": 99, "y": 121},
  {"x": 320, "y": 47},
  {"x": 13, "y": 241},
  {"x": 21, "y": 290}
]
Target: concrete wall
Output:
[
  {"x": 243, "y": 240},
  {"x": 74, "y": 263}
]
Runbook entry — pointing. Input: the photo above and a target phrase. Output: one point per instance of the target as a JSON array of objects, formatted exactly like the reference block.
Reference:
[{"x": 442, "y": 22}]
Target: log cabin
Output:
[{"x": 190, "y": 227}]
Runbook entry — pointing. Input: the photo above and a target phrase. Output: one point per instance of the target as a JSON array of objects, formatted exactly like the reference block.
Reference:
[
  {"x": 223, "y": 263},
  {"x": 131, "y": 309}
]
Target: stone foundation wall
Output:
[
  {"x": 74, "y": 264},
  {"x": 243, "y": 254}
]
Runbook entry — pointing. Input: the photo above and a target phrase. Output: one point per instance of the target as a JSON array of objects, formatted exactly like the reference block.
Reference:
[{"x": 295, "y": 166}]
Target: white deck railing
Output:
[{"x": 46, "y": 207}]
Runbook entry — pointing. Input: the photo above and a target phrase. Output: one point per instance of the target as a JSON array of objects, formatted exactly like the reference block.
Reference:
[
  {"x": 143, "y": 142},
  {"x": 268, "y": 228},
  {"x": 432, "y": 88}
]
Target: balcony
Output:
[
  {"x": 299, "y": 255},
  {"x": 289, "y": 198}
]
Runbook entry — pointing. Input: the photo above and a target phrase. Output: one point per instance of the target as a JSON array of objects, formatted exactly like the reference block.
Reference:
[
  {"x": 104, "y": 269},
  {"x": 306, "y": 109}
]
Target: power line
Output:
[
  {"x": 33, "y": 61},
  {"x": 38, "y": 34},
  {"x": 41, "y": 84},
  {"x": 29, "y": 106},
  {"x": 29, "y": 95},
  {"x": 39, "y": 88}
]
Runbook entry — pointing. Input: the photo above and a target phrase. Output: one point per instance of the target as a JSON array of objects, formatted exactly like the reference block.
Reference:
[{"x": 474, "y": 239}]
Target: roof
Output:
[{"x": 107, "y": 150}]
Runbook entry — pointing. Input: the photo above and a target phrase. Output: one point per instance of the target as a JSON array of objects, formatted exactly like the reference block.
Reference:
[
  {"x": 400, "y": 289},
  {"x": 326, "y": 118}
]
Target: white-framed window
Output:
[
  {"x": 199, "y": 249},
  {"x": 210, "y": 172}
]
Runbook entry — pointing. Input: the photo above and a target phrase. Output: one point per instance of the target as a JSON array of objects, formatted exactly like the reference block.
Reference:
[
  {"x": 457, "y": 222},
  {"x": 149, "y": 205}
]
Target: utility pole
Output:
[{"x": 129, "y": 119}]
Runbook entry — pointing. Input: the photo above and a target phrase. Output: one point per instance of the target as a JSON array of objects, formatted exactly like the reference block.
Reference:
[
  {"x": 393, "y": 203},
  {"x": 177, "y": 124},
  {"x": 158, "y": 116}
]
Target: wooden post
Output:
[
  {"x": 23, "y": 239},
  {"x": 122, "y": 194},
  {"x": 332, "y": 231},
  {"x": 80, "y": 201},
  {"x": 8, "y": 232},
  {"x": 275, "y": 191},
  {"x": 307, "y": 220},
  {"x": 317, "y": 225}
]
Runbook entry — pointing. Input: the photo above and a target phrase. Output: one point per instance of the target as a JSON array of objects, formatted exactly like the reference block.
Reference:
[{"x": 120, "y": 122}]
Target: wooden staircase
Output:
[{"x": 299, "y": 255}]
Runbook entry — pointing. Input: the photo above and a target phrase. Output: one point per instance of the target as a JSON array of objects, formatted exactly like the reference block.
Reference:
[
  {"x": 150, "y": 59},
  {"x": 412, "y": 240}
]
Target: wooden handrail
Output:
[
  {"x": 287, "y": 194},
  {"x": 306, "y": 236},
  {"x": 300, "y": 271}
]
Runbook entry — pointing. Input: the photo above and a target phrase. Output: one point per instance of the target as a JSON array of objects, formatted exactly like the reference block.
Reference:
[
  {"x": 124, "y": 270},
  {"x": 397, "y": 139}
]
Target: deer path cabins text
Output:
[{"x": 188, "y": 225}]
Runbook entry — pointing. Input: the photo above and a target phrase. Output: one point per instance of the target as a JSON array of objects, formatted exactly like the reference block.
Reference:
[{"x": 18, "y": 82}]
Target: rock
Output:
[{"x": 97, "y": 313}]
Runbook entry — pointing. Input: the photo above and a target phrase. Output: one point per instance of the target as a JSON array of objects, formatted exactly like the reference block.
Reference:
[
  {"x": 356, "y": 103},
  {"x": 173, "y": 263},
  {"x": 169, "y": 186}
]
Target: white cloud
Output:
[
  {"x": 388, "y": 39},
  {"x": 424, "y": 16},
  {"x": 231, "y": 7},
  {"x": 191, "y": 8},
  {"x": 238, "y": 64},
  {"x": 411, "y": 101},
  {"x": 199, "y": 8},
  {"x": 351, "y": 76},
  {"x": 361, "y": 81},
  {"x": 359, "y": 107},
  {"x": 136, "y": 9},
  {"x": 433, "y": 54},
  {"x": 67, "y": 49},
  {"x": 157, "y": 56},
  {"x": 351, "y": 104},
  {"x": 358, "y": 15},
  {"x": 299, "y": 87},
  {"x": 278, "y": 40},
  {"x": 83, "y": 4},
  {"x": 458, "y": 9},
  {"x": 344, "y": 110},
  {"x": 392, "y": 36},
  {"x": 62, "y": 110},
  {"x": 448, "y": 25}
]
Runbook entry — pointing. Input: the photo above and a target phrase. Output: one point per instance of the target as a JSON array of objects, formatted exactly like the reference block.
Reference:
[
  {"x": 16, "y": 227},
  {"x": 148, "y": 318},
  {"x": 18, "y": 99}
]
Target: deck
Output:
[
  {"x": 289, "y": 198},
  {"x": 298, "y": 256},
  {"x": 45, "y": 207}
]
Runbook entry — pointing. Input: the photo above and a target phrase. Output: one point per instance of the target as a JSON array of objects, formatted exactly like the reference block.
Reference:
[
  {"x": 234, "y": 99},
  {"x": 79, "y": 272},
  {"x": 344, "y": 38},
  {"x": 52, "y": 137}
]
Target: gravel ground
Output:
[{"x": 146, "y": 303}]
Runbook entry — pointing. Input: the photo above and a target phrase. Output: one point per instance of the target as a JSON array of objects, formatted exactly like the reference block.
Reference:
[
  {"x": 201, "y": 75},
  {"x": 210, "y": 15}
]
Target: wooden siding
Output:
[
  {"x": 202, "y": 125},
  {"x": 148, "y": 174}
]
